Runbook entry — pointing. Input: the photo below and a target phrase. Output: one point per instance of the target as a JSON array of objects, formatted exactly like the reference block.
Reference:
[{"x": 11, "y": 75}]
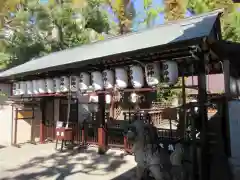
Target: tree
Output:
[
  {"x": 230, "y": 19},
  {"x": 7, "y": 6},
  {"x": 151, "y": 13},
  {"x": 230, "y": 22},
  {"x": 124, "y": 11},
  {"x": 168, "y": 95},
  {"x": 174, "y": 9},
  {"x": 231, "y": 26},
  {"x": 39, "y": 29}
]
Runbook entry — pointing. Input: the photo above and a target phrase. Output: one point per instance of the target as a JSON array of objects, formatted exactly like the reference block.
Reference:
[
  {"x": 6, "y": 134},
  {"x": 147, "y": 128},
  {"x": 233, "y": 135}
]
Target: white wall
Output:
[
  {"x": 5, "y": 125},
  {"x": 5, "y": 115}
]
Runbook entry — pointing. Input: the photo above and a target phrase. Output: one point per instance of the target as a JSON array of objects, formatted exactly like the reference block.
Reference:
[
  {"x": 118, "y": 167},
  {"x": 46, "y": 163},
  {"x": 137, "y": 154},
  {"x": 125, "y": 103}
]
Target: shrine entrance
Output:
[{"x": 106, "y": 86}]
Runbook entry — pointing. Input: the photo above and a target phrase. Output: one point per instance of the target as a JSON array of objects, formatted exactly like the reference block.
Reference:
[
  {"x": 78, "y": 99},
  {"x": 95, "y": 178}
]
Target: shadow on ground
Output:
[
  {"x": 67, "y": 163},
  {"x": 126, "y": 175},
  {"x": 1, "y": 146}
]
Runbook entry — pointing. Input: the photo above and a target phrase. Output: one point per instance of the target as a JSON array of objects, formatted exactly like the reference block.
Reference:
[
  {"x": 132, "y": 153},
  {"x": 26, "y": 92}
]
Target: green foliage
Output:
[
  {"x": 169, "y": 94},
  {"x": 174, "y": 9},
  {"x": 151, "y": 13},
  {"x": 231, "y": 27},
  {"x": 230, "y": 23},
  {"x": 230, "y": 20},
  {"x": 37, "y": 30},
  {"x": 4, "y": 60},
  {"x": 199, "y": 6},
  {"x": 124, "y": 12}
]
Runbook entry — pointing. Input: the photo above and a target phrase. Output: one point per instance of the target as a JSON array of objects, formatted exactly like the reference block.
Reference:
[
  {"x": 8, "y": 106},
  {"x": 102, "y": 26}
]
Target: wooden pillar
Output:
[
  {"x": 15, "y": 127},
  {"x": 182, "y": 125},
  {"x": 42, "y": 125},
  {"x": 125, "y": 143},
  {"x": 202, "y": 99},
  {"x": 225, "y": 121},
  {"x": 32, "y": 138},
  {"x": 102, "y": 131},
  {"x": 84, "y": 135}
]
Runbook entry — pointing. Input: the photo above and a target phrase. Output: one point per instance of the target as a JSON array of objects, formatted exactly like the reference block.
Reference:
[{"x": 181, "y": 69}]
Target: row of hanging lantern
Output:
[{"x": 107, "y": 79}]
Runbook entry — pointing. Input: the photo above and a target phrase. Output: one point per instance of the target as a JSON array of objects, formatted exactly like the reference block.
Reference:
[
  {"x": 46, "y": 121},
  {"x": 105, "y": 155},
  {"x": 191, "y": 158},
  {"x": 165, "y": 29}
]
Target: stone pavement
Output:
[{"x": 31, "y": 162}]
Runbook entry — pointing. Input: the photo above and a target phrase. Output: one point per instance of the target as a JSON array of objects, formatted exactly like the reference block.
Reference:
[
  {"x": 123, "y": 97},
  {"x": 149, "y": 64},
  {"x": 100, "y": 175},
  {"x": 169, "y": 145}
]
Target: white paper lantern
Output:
[
  {"x": 15, "y": 88},
  {"x": 195, "y": 108},
  {"x": 97, "y": 81},
  {"x": 56, "y": 84},
  {"x": 121, "y": 78},
  {"x": 23, "y": 88},
  {"x": 93, "y": 106},
  {"x": 152, "y": 73},
  {"x": 50, "y": 85},
  {"x": 74, "y": 83},
  {"x": 41, "y": 86},
  {"x": 133, "y": 97},
  {"x": 108, "y": 98},
  {"x": 108, "y": 79},
  {"x": 233, "y": 85},
  {"x": 170, "y": 72},
  {"x": 84, "y": 81},
  {"x": 64, "y": 84},
  {"x": 136, "y": 98},
  {"x": 35, "y": 87},
  {"x": 29, "y": 87},
  {"x": 238, "y": 86},
  {"x": 93, "y": 99},
  {"x": 136, "y": 76}
]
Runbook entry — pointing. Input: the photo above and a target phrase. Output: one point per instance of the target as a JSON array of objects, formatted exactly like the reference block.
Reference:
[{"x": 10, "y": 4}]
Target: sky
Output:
[
  {"x": 43, "y": 1},
  {"x": 138, "y": 5}
]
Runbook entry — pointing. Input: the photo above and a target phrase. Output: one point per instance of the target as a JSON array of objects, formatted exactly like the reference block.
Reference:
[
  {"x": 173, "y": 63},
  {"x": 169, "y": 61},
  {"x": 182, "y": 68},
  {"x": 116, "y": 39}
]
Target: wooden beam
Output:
[
  {"x": 225, "y": 122},
  {"x": 102, "y": 130}
]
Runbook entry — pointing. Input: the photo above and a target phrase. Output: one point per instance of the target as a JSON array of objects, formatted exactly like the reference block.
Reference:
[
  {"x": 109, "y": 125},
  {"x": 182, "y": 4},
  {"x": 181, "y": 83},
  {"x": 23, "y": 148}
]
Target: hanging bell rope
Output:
[
  {"x": 112, "y": 104},
  {"x": 69, "y": 105},
  {"x": 115, "y": 109}
]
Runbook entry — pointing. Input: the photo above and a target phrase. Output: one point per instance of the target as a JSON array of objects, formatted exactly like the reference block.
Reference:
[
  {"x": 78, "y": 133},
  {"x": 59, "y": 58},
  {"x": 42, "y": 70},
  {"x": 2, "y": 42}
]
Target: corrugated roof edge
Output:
[{"x": 219, "y": 11}]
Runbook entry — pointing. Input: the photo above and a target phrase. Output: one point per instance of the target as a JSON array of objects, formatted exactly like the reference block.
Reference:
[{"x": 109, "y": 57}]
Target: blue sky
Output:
[
  {"x": 43, "y": 1},
  {"x": 138, "y": 4}
]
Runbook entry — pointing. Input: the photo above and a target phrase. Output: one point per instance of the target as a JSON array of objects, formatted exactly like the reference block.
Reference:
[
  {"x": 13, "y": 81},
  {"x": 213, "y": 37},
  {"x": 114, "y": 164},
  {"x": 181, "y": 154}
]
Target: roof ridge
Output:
[{"x": 138, "y": 32}]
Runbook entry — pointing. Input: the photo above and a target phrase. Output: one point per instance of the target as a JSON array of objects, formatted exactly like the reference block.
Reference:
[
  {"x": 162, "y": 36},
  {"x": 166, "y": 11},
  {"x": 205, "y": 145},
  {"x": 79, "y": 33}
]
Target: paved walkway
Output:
[{"x": 42, "y": 162}]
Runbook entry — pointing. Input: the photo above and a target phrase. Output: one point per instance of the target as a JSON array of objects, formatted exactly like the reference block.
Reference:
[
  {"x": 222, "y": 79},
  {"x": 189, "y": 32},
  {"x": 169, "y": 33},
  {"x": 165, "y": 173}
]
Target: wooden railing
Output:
[{"x": 115, "y": 135}]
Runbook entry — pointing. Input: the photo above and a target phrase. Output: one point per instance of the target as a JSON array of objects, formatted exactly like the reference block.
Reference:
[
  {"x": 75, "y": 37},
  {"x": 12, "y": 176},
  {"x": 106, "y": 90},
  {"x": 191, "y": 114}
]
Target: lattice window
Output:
[{"x": 117, "y": 111}]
